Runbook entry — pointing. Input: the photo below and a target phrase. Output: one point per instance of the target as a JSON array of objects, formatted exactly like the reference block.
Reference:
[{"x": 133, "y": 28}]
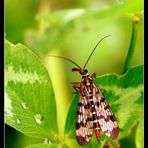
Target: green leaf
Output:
[
  {"x": 125, "y": 96},
  {"x": 71, "y": 118},
  {"x": 30, "y": 105}
]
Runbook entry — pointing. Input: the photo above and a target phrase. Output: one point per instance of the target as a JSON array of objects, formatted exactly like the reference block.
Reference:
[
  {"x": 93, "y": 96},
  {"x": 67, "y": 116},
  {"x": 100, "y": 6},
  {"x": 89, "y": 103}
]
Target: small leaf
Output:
[{"x": 30, "y": 105}]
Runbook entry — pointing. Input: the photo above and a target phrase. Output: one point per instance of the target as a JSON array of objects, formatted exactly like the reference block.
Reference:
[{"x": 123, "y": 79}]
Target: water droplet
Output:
[
  {"x": 8, "y": 106},
  {"x": 47, "y": 141},
  {"x": 24, "y": 105},
  {"x": 38, "y": 118},
  {"x": 18, "y": 121}
]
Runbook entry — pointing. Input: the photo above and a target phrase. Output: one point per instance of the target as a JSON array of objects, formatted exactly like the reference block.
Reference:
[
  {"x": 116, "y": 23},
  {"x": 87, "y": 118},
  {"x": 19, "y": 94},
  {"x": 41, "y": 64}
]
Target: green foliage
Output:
[
  {"x": 37, "y": 94},
  {"x": 16, "y": 24},
  {"x": 27, "y": 91},
  {"x": 30, "y": 103}
]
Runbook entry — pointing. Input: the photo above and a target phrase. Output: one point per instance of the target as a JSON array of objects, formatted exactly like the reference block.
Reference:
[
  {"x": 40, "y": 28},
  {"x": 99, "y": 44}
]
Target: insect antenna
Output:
[
  {"x": 65, "y": 59},
  {"x": 94, "y": 50}
]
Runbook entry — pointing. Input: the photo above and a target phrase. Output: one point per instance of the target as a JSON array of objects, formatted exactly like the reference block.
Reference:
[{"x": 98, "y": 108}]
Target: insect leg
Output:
[
  {"x": 93, "y": 75},
  {"x": 76, "y": 83},
  {"x": 77, "y": 88}
]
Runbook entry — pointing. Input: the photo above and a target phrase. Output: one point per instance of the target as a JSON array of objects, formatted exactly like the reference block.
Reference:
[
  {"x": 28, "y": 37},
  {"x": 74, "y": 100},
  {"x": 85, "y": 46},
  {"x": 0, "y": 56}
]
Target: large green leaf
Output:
[
  {"x": 30, "y": 105},
  {"x": 125, "y": 96}
]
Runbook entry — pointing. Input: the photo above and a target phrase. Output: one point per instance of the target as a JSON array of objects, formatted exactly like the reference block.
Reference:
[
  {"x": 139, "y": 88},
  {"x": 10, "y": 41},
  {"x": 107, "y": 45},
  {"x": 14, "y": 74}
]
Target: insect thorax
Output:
[{"x": 86, "y": 80}]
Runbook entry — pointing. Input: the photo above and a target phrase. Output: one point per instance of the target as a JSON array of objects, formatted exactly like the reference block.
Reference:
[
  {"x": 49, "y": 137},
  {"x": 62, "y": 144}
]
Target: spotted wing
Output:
[
  {"x": 106, "y": 117},
  {"x": 84, "y": 121}
]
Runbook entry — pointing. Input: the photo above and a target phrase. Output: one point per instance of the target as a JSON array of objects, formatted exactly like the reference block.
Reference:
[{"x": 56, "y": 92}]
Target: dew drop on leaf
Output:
[
  {"x": 18, "y": 121},
  {"x": 38, "y": 118},
  {"x": 47, "y": 141}
]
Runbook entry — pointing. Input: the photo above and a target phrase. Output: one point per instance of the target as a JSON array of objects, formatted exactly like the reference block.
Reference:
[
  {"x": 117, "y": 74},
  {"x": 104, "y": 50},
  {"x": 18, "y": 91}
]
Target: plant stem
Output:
[
  {"x": 132, "y": 45},
  {"x": 62, "y": 95}
]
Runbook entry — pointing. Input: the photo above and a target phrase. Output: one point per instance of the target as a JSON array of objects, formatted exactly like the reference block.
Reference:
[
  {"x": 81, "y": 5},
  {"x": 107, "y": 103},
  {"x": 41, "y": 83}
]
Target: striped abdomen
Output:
[{"x": 88, "y": 89}]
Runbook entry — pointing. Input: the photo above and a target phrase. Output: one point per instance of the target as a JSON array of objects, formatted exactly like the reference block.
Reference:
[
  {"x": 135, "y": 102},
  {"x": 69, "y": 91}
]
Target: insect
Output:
[{"x": 93, "y": 113}]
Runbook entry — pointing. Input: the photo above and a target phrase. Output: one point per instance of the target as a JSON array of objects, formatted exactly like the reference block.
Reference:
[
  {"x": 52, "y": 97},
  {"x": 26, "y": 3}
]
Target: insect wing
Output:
[
  {"x": 84, "y": 122},
  {"x": 106, "y": 118}
]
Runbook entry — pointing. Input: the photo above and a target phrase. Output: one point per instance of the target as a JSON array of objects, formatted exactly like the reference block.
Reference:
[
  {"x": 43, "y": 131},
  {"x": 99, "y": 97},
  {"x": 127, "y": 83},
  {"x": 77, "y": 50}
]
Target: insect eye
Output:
[{"x": 83, "y": 71}]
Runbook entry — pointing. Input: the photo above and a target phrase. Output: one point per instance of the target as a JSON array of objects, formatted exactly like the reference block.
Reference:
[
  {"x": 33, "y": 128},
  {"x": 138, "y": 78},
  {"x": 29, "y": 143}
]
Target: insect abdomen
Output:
[{"x": 96, "y": 126}]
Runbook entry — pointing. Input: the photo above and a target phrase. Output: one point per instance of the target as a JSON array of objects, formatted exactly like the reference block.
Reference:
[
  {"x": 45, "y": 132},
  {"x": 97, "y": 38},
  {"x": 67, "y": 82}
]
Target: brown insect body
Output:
[{"x": 93, "y": 111}]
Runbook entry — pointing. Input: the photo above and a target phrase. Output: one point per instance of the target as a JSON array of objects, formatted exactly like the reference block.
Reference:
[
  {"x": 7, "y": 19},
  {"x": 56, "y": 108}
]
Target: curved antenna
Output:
[
  {"x": 94, "y": 50},
  {"x": 65, "y": 59}
]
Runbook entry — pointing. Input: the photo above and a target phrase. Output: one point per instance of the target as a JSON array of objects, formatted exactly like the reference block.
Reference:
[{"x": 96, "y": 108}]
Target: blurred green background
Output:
[{"x": 72, "y": 28}]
